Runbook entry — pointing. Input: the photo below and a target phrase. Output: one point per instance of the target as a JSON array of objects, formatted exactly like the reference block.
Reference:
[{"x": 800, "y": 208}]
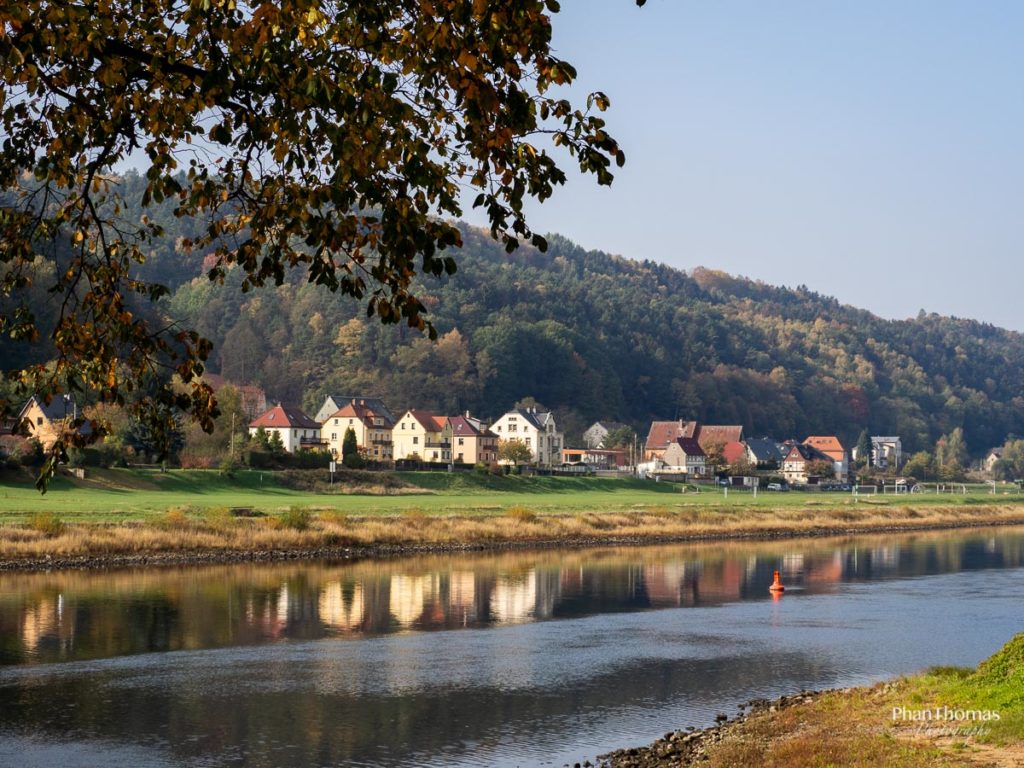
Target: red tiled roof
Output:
[
  {"x": 429, "y": 421},
  {"x": 709, "y": 434},
  {"x": 284, "y": 418},
  {"x": 827, "y": 444},
  {"x": 665, "y": 432},
  {"x": 364, "y": 413}
]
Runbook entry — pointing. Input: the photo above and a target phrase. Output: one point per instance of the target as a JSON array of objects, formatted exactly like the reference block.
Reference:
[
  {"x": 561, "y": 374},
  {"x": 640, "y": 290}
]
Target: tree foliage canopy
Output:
[{"x": 335, "y": 135}]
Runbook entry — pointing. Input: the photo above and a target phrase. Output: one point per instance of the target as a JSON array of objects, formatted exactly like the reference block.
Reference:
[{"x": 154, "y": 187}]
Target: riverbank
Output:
[
  {"x": 178, "y": 538},
  {"x": 947, "y": 717},
  {"x": 131, "y": 517}
]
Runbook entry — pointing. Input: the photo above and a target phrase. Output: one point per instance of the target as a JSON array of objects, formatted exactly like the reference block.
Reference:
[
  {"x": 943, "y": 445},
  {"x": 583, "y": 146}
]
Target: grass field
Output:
[
  {"x": 179, "y": 514},
  {"x": 117, "y": 495}
]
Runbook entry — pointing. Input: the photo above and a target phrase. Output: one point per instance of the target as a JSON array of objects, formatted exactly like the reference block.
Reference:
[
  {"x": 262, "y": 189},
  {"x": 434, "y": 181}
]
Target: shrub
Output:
[
  {"x": 46, "y": 523},
  {"x": 174, "y": 517},
  {"x": 297, "y": 518},
  {"x": 522, "y": 514}
]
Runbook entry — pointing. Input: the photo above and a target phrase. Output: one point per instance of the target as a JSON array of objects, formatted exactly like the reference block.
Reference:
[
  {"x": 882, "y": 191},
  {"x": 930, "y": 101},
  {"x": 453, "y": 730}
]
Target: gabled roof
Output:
[
  {"x": 690, "y": 446},
  {"x": 709, "y": 434},
  {"x": 373, "y": 403},
  {"x": 60, "y": 407},
  {"x": 280, "y": 417},
  {"x": 429, "y": 421},
  {"x": 608, "y": 426},
  {"x": 828, "y": 444},
  {"x": 807, "y": 453},
  {"x": 764, "y": 449},
  {"x": 534, "y": 419},
  {"x": 663, "y": 433},
  {"x": 466, "y": 426},
  {"x": 362, "y": 412}
]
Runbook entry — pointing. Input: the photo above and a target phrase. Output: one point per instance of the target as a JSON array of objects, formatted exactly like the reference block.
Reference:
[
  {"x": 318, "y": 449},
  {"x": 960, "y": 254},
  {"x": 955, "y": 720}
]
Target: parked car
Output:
[{"x": 777, "y": 487}]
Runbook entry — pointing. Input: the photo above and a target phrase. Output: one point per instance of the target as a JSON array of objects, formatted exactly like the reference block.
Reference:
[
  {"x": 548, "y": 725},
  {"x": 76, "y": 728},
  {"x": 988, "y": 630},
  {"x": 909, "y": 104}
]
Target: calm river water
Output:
[{"x": 509, "y": 659}]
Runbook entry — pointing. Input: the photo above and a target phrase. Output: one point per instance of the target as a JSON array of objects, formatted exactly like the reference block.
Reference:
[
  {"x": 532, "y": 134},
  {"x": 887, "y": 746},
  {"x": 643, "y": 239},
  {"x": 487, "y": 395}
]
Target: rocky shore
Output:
[{"x": 690, "y": 747}]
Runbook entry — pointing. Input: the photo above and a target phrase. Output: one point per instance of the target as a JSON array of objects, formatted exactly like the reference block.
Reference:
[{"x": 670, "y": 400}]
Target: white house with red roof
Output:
[{"x": 295, "y": 428}]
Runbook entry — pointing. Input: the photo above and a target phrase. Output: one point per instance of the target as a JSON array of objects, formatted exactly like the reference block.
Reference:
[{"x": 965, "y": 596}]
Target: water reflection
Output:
[{"x": 66, "y": 616}]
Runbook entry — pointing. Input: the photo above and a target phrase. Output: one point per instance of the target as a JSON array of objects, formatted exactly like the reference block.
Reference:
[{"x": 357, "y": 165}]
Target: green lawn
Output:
[{"x": 121, "y": 494}]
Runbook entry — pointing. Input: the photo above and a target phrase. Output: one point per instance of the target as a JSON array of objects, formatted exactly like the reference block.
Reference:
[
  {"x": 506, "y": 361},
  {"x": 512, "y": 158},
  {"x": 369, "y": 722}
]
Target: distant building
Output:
[
  {"x": 886, "y": 451},
  {"x": 595, "y": 434},
  {"x": 295, "y": 428},
  {"x": 472, "y": 441},
  {"x": 989, "y": 462},
  {"x": 765, "y": 452},
  {"x": 685, "y": 455},
  {"x": 423, "y": 435},
  {"x": 796, "y": 465},
  {"x": 599, "y": 458},
  {"x": 371, "y": 429},
  {"x": 663, "y": 434},
  {"x": 831, "y": 447},
  {"x": 537, "y": 430},
  {"x": 48, "y": 422},
  {"x": 334, "y": 403}
]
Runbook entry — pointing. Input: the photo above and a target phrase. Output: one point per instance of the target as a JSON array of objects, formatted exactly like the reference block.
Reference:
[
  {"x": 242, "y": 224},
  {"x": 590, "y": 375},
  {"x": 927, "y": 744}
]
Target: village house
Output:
[
  {"x": 422, "y": 435},
  {"x": 886, "y": 451},
  {"x": 595, "y": 434},
  {"x": 536, "y": 430},
  {"x": 989, "y": 462},
  {"x": 797, "y": 465},
  {"x": 831, "y": 447},
  {"x": 46, "y": 423},
  {"x": 764, "y": 452},
  {"x": 686, "y": 456},
  {"x": 372, "y": 431},
  {"x": 663, "y": 434},
  {"x": 472, "y": 441},
  {"x": 296, "y": 429}
]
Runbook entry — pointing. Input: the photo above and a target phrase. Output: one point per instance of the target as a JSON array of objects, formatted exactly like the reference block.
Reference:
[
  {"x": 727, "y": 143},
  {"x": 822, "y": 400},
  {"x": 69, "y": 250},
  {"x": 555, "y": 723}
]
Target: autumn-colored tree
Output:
[
  {"x": 514, "y": 452},
  {"x": 821, "y": 468},
  {"x": 334, "y": 136}
]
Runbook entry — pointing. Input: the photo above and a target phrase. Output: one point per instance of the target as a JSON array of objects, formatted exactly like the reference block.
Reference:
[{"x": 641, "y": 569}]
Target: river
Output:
[{"x": 524, "y": 658}]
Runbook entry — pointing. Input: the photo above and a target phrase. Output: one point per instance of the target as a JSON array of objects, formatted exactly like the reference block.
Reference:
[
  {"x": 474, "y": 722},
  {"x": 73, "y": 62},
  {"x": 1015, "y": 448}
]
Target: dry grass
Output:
[{"x": 185, "y": 529}]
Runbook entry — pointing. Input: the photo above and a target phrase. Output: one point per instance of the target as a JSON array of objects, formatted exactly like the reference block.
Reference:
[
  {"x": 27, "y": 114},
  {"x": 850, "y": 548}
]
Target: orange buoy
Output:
[{"x": 777, "y": 584}]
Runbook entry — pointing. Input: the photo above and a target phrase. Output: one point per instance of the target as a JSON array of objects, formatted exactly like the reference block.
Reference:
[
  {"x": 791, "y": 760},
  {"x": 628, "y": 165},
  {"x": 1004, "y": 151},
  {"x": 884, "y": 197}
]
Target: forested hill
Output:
[{"x": 598, "y": 336}]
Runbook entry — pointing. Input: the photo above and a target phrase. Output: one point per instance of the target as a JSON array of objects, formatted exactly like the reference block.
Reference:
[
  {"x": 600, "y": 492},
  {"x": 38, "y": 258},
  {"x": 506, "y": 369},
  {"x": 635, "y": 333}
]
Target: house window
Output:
[
  {"x": 334, "y": 435},
  {"x": 435, "y": 454},
  {"x": 513, "y": 427},
  {"x": 461, "y": 442},
  {"x": 461, "y": 460},
  {"x": 336, "y": 422},
  {"x": 295, "y": 433},
  {"x": 39, "y": 421},
  {"x": 415, "y": 440}
]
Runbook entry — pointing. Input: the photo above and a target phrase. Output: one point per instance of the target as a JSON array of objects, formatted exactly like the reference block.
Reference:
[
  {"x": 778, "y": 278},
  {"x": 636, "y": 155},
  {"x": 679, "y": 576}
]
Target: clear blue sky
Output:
[{"x": 871, "y": 150}]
